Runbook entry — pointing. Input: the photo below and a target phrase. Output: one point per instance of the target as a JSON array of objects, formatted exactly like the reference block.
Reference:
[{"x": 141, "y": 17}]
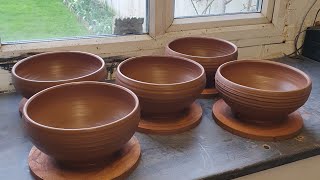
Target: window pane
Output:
[
  {"x": 46, "y": 19},
  {"x": 190, "y": 8}
]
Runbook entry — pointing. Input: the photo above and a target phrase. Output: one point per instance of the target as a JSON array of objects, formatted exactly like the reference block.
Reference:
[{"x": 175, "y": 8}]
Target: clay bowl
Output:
[
  {"x": 81, "y": 123},
  {"x": 261, "y": 91},
  {"x": 163, "y": 84},
  {"x": 209, "y": 52},
  {"x": 41, "y": 71}
]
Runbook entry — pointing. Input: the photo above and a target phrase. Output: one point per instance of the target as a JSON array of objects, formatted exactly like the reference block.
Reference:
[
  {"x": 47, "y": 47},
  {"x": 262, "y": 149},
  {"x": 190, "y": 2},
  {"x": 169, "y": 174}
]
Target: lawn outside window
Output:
[
  {"x": 248, "y": 29},
  {"x": 38, "y": 20}
]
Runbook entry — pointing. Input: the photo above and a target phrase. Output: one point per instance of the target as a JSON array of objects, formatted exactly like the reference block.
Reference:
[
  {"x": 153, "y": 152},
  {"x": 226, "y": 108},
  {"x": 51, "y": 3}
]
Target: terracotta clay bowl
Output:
[
  {"x": 261, "y": 91},
  {"x": 163, "y": 84},
  {"x": 81, "y": 123},
  {"x": 41, "y": 71},
  {"x": 209, "y": 52}
]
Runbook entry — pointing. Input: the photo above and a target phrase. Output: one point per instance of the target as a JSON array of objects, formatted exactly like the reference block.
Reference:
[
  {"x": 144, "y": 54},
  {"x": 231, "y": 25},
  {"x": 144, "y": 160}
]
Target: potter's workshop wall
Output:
[
  {"x": 249, "y": 48},
  {"x": 295, "y": 11}
]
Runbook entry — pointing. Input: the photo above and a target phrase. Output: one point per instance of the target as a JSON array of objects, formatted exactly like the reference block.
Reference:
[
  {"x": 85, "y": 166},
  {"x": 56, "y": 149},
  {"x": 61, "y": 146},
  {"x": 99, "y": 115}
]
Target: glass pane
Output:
[
  {"x": 46, "y": 19},
  {"x": 191, "y": 8}
]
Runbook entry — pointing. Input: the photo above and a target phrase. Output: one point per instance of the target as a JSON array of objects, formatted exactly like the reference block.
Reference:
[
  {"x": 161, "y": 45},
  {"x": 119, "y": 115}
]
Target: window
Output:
[
  {"x": 46, "y": 19},
  {"x": 189, "y": 8},
  {"x": 146, "y": 25}
]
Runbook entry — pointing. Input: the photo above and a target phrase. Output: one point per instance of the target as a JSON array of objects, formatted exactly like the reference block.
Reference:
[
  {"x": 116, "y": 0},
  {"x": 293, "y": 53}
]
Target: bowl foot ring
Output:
[
  {"x": 223, "y": 116},
  {"x": 21, "y": 105},
  {"x": 43, "y": 167},
  {"x": 172, "y": 125},
  {"x": 209, "y": 93}
]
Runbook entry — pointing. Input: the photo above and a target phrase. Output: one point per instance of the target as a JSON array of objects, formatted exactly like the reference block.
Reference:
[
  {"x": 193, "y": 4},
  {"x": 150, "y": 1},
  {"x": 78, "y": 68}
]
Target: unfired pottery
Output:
[
  {"x": 41, "y": 71},
  {"x": 261, "y": 91},
  {"x": 165, "y": 85},
  {"x": 81, "y": 123},
  {"x": 209, "y": 52}
]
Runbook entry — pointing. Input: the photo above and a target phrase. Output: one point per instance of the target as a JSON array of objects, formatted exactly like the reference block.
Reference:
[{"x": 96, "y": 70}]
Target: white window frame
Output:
[
  {"x": 245, "y": 30},
  {"x": 208, "y": 22}
]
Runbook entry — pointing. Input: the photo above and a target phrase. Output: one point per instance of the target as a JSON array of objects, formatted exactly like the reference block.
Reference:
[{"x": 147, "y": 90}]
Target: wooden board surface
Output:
[
  {"x": 43, "y": 167},
  {"x": 209, "y": 93},
  {"x": 187, "y": 120},
  {"x": 288, "y": 129}
]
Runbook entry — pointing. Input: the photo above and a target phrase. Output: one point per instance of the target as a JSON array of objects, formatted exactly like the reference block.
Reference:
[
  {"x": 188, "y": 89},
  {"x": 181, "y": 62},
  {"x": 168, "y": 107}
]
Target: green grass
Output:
[{"x": 37, "y": 19}]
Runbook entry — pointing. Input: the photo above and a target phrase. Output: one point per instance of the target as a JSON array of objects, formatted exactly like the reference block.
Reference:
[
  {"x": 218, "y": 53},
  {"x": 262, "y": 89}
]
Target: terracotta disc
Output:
[
  {"x": 209, "y": 93},
  {"x": 43, "y": 167},
  {"x": 173, "y": 125},
  {"x": 286, "y": 130},
  {"x": 21, "y": 105}
]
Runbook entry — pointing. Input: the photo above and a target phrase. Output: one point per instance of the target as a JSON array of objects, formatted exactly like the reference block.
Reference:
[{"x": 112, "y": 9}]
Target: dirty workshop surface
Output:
[{"x": 204, "y": 152}]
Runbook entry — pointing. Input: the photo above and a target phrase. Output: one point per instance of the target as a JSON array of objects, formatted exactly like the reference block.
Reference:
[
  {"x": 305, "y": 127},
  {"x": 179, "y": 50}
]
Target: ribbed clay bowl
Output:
[
  {"x": 81, "y": 123},
  {"x": 41, "y": 71},
  {"x": 163, "y": 84},
  {"x": 262, "y": 91},
  {"x": 209, "y": 52}
]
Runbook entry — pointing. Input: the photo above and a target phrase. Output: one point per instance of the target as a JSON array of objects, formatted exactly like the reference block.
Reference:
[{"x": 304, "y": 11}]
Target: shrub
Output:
[{"x": 97, "y": 17}]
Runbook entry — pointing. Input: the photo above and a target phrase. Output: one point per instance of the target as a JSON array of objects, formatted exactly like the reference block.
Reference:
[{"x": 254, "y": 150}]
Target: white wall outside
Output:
[
  {"x": 127, "y": 8},
  {"x": 187, "y": 7}
]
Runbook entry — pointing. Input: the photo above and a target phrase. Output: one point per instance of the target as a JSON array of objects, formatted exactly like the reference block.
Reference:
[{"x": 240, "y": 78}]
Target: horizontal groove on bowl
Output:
[
  {"x": 83, "y": 144},
  {"x": 158, "y": 98},
  {"x": 146, "y": 91},
  {"x": 28, "y": 74},
  {"x": 266, "y": 97},
  {"x": 265, "y": 104},
  {"x": 259, "y": 92}
]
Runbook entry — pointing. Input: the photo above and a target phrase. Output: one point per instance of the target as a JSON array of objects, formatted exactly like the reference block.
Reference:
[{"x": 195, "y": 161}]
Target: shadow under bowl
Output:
[
  {"x": 163, "y": 84},
  {"x": 262, "y": 91},
  {"x": 83, "y": 122},
  {"x": 41, "y": 71},
  {"x": 209, "y": 52}
]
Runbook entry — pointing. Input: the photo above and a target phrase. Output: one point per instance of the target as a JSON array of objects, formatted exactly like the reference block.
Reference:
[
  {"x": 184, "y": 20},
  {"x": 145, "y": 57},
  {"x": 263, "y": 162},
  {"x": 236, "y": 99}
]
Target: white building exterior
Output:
[{"x": 136, "y": 8}]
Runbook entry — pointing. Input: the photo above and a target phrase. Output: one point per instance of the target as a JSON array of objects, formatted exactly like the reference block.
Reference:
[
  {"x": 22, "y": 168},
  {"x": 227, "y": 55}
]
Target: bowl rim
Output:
[
  {"x": 13, "y": 71},
  {"x": 157, "y": 84},
  {"x": 308, "y": 84},
  {"x": 26, "y": 115},
  {"x": 207, "y": 38}
]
